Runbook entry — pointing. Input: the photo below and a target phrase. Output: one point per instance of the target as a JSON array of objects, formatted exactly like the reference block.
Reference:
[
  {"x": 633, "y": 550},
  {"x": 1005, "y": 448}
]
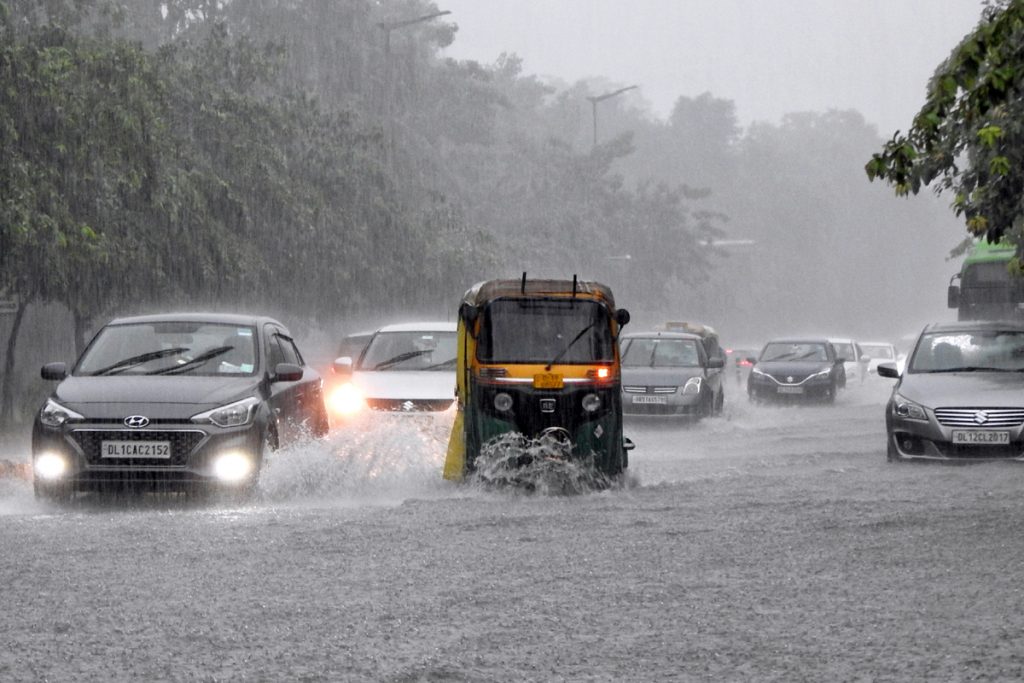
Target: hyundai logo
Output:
[
  {"x": 136, "y": 421},
  {"x": 981, "y": 417}
]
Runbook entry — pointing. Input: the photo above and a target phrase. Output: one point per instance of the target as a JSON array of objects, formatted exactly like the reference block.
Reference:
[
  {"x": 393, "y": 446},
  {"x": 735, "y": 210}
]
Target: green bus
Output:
[{"x": 985, "y": 289}]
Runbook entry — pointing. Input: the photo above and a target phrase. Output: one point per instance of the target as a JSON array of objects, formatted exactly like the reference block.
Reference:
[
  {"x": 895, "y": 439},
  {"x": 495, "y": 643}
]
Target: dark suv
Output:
[{"x": 174, "y": 402}]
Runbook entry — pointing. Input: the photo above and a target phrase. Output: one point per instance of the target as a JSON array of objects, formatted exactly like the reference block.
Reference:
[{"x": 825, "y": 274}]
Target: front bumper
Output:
[
  {"x": 765, "y": 387},
  {"x": 650, "y": 401},
  {"x": 194, "y": 451},
  {"x": 931, "y": 440}
]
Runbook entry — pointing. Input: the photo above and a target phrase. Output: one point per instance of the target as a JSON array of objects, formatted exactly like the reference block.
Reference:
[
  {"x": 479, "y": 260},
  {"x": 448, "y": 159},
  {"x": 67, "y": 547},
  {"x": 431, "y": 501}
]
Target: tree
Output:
[{"x": 968, "y": 138}]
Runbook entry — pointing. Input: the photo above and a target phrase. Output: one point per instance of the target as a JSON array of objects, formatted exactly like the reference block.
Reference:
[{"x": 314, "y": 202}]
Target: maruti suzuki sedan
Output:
[
  {"x": 178, "y": 402},
  {"x": 961, "y": 396},
  {"x": 796, "y": 369}
]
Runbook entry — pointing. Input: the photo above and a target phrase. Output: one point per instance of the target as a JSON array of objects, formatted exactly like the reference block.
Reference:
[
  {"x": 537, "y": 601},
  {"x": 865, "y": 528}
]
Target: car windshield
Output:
[
  {"x": 410, "y": 351},
  {"x": 660, "y": 353},
  {"x": 810, "y": 352},
  {"x": 970, "y": 351},
  {"x": 570, "y": 331},
  {"x": 171, "y": 348},
  {"x": 880, "y": 351}
]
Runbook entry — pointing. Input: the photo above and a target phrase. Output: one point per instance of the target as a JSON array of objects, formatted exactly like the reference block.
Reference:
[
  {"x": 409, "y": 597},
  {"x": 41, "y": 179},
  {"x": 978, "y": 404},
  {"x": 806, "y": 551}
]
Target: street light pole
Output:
[{"x": 601, "y": 98}]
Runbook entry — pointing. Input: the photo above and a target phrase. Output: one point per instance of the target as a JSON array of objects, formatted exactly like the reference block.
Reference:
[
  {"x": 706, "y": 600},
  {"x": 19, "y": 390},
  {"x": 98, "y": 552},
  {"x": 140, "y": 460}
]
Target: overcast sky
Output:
[{"x": 768, "y": 56}]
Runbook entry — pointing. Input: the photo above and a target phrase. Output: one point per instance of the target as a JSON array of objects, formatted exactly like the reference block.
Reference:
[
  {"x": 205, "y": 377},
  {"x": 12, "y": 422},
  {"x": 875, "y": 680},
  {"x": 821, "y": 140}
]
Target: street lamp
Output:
[{"x": 601, "y": 98}]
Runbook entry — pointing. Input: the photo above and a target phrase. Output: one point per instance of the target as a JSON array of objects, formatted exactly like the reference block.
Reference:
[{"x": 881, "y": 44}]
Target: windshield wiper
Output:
[
  {"x": 198, "y": 360},
  {"x": 569, "y": 345},
  {"x": 450, "y": 361},
  {"x": 122, "y": 365},
  {"x": 967, "y": 368},
  {"x": 399, "y": 358}
]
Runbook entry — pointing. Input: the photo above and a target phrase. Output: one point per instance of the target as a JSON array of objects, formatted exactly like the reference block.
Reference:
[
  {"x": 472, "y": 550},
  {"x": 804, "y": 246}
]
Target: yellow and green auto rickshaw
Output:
[{"x": 536, "y": 357}]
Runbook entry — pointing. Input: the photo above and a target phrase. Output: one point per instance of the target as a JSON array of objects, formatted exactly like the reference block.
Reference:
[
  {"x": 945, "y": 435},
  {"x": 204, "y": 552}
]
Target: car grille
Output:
[
  {"x": 980, "y": 417},
  {"x": 649, "y": 390},
  {"x": 183, "y": 442},
  {"x": 399, "y": 405}
]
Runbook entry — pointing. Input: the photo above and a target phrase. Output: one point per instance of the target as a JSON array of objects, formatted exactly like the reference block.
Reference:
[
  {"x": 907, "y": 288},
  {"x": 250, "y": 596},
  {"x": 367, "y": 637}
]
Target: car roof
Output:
[
  {"x": 421, "y": 327},
  {"x": 975, "y": 325},
  {"x": 799, "y": 340},
  {"x": 876, "y": 343},
  {"x": 663, "y": 334},
  {"x": 842, "y": 340},
  {"x": 197, "y": 317}
]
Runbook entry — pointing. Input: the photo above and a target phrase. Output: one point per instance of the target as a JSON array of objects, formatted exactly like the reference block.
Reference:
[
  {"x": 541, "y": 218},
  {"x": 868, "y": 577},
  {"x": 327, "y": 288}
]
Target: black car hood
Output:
[
  {"x": 154, "y": 397},
  {"x": 786, "y": 368},
  {"x": 964, "y": 389}
]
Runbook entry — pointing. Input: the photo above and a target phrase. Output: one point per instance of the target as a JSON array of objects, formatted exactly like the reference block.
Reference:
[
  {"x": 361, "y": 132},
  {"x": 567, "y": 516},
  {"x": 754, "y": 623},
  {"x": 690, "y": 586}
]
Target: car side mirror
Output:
[
  {"x": 888, "y": 370},
  {"x": 342, "y": 365},
  {"x": 627, "y": 444},
  {"x": 716, "y": 362},
  {"x": 287, "y": 372},
  {"x": 750, "y": 359},
  {"x": 622, "y": 317},
  {"x": 953, "y": 296},
  {"x": 54, "y": 371}
]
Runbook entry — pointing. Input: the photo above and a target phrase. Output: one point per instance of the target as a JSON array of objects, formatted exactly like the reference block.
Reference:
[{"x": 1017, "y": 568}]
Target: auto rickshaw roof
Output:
[{"x": 485, "y": 292}]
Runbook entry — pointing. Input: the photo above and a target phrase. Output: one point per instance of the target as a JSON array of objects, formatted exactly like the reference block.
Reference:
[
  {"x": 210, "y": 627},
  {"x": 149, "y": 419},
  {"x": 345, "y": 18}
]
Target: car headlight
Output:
[
  {"x": 54, "y": 414},
  {"x": 692, "y": 386},
  {"x": 233, "y": 466},
  {"x": 232, "y": 415},
  {"x": 756, "y": 371},
  {"x": 821, "y": 374},
  {"x": 591, "y": 402},
  {"x": 346, "y": 399},
  {"x": 50, "y": 466},
  {"x": 908, "y": 410},
  {"x": 502, "y": 401}
]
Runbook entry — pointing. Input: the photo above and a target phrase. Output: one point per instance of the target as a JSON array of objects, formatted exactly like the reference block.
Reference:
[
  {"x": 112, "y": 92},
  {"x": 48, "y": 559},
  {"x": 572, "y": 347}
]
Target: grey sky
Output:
[{"x": 768, "y": 56}]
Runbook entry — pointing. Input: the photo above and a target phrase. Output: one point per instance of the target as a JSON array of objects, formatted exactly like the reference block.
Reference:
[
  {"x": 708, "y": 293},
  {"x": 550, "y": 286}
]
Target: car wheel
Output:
[
  {"x": 55, "y": 493},
  {"x": 891, "y": 454}
]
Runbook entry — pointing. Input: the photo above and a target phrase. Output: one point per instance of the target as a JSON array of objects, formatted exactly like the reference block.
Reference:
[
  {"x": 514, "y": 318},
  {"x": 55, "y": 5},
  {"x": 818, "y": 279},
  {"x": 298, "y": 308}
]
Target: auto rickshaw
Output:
[{"x": 538, "y": 357}]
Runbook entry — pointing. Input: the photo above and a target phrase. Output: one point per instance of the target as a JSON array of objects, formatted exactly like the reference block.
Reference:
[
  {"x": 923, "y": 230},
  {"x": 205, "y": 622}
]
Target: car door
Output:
[
  {"x": 285, "y": 397},
  {"x": 311, "y": 413}
]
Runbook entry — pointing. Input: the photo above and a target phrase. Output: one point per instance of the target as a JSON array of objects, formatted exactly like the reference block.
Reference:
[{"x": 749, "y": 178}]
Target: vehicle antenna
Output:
[
  {"x": 522, "y": 290},
  {"x": 574, "y": 285}
]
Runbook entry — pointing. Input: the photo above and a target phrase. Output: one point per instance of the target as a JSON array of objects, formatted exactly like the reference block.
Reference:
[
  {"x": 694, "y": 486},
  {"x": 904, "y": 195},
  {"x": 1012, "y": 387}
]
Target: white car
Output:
[
  {"x": 878, "y": 352},
  {"x": 407, "y": 368},
  {"x": 854, "y": 361}
]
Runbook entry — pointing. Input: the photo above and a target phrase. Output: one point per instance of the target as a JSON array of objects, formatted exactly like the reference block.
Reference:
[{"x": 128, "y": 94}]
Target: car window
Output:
[
  {"x": 171, "y": 348},
  {"x": 878, "y": 351},
  {"x": 996, "y": 350},
  {"x": 660, "y": 353},
  {"x": 410, "y": 351},
  {"x": 795, "y": 351}
]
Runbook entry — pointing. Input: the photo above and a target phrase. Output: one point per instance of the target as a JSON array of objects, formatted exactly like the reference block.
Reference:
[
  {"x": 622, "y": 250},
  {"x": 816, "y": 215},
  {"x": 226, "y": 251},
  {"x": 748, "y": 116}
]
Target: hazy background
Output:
[{"x": 770, "y": 58}]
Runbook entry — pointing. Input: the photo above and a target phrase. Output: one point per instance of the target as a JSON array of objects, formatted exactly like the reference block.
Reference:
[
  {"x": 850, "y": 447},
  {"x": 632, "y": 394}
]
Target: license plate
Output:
[
  {"x": 650, "y": 399},
  {"x": 135, "y": 449},
  {"x": 980, "y": 437},
  {"x": 548, "y": 380},
  {"x": 791, "y": 390}
]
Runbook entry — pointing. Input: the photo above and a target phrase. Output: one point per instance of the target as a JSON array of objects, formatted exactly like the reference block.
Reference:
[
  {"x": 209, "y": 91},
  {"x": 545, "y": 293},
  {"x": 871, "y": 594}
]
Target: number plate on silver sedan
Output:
[
  {"x": 650, "y": 399},
  {"x": 791, "y": 390},
  {"x": 135, "y": 449},
  {"x": 980, "y": 436}
]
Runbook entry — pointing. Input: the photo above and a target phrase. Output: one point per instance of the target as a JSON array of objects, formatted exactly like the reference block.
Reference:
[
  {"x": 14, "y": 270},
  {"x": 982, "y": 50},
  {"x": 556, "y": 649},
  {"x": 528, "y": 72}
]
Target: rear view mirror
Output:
[
  {"x": 622, "y": 317},
  {"x": 54, "y": 371},
  {"x": 953, "y": 296},
  {"x": 888, "y": 370},
  {"x": 750, "y": 359},
  {"x": 342, "y": 366},
  {"x": 716, "y": 362},
  {"x": 287, "y": 372}
]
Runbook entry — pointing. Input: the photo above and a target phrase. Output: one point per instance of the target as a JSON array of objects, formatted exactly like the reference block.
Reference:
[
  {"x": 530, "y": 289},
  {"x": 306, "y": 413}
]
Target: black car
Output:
[
  {"x": 174, "y": 402},
  {"x": 796, "y": 369}
]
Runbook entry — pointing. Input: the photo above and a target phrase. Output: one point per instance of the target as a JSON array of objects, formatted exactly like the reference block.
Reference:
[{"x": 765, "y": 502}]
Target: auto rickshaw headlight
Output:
[
  {"x": 503, "y": 401},
  {"x": 591, "y": 402}
]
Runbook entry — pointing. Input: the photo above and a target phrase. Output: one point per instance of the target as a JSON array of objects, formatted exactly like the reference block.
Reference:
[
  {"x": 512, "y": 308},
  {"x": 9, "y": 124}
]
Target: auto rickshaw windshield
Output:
[{"x": 571, "y": 331}]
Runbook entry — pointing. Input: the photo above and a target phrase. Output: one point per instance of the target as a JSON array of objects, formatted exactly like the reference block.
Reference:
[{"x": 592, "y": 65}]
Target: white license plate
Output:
[
  {"x": 979, "y": 436},
  {"x": 791, "y": 390},
  {"x": 135, "y": 449},
  {"x": 650, "y": 399}
]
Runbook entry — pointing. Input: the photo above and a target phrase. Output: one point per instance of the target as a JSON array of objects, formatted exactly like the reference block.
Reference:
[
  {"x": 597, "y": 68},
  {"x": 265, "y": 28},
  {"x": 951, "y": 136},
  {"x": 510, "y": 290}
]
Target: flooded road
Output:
[{"x": 773, "y": 543}]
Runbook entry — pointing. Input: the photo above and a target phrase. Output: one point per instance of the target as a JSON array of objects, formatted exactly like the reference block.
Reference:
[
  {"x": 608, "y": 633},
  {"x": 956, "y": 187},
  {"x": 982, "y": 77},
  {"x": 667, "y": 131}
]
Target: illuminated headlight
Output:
[
  {"x": 591, "y": 402},
  {"x": 232, "y": 415},
  {"x": 50, "y": 466},
  {"x": 54, "y": 414},
  {"x": 908, "y": 410},
  {"x": 346, "y": 400},
  {"x": 692, "y": 386},
  {"x": 502, "y": 402},
  {"x": 233, "y": 466},
  {"x": 822, "y": 374}
]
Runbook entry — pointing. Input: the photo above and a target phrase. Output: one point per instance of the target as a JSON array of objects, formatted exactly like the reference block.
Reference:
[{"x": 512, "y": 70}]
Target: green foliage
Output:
[{"x": 968, "y": 137}]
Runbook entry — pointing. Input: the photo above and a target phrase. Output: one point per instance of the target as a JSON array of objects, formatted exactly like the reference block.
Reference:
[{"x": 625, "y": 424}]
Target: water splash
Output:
[{"x": 542, "y": 465}]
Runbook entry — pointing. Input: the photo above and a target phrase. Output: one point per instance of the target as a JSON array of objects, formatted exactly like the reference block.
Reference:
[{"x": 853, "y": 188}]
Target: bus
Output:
[{"x": 985, "y": 289}]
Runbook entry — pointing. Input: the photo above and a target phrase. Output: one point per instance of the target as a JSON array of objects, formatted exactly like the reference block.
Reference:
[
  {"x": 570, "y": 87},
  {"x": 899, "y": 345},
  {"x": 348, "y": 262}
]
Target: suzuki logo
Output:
[
  {"x": 408, "y": 405},
  {"x": 981, "y": 417},
  {"x": 136, "y": 421},
  {"x": 790, "y": 379}
]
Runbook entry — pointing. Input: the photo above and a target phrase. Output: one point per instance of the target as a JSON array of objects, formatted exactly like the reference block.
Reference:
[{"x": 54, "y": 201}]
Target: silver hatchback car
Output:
[{"x": 961, "y": 396}]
